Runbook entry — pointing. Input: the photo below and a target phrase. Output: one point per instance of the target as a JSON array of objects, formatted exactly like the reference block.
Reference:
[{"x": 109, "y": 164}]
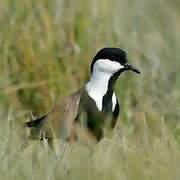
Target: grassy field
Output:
[{"x": 45, "y": 51}]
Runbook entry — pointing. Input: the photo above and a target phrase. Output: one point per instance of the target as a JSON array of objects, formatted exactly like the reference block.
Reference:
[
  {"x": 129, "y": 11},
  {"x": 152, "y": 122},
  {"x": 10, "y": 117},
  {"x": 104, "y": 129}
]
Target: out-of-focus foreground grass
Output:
[{"x": 45, "y": 51}]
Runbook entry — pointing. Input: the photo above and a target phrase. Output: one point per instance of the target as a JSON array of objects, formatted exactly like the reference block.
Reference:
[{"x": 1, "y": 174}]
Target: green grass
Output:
[{"x": 45, "y": 51}]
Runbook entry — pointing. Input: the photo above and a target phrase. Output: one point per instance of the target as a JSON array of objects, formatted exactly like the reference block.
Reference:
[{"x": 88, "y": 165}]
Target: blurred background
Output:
[{"x": 46, "y": 48}]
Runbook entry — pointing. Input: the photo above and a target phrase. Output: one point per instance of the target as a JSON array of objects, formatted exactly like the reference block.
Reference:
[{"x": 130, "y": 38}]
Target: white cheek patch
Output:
[{"x": 107, "y": 65}]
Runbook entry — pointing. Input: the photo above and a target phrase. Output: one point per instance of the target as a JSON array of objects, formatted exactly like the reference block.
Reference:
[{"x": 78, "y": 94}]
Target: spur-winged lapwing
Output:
[{"x": 89, "y": 107}]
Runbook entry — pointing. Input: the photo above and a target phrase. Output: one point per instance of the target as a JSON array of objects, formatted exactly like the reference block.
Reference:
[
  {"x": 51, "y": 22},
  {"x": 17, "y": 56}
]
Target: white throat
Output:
[{"x": 98, "y": 85}]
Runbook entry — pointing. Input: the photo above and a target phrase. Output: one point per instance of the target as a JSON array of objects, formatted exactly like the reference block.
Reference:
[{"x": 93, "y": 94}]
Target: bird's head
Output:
[{"x": 111, "y": 60}]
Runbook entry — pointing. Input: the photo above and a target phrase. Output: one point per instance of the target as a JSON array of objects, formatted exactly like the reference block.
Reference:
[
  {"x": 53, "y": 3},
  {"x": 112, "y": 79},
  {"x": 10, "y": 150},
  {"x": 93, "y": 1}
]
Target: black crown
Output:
[{"x": 111, "y": 53}]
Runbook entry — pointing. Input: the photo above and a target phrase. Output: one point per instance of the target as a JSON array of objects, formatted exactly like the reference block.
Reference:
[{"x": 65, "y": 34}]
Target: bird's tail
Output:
[
  {"x": 35, "y": 123},
  {"x": 35, "y": 126}
]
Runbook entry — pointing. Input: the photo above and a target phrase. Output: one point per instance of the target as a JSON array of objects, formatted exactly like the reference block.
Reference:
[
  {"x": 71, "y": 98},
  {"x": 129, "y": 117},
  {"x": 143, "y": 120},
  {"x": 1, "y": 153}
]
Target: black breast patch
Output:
[
  {"x": 95, "y": 119},
  {"x": 107, "y": 102}
]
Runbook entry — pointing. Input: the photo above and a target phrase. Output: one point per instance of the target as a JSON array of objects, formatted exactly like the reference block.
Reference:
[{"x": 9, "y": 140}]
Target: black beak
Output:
[{"x": 128, "y": 66}]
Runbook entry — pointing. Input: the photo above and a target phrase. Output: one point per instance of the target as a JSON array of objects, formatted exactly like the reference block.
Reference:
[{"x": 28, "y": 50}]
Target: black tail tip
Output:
[{"x": 29, "y": 124}]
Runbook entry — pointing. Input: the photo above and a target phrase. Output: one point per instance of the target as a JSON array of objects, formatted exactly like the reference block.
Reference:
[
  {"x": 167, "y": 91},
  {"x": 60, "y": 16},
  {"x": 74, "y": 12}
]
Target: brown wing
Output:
[
  {"x": 60, "y": 121},
  {"x": 68, "y": 127},
  {"x": 65, "y": 126}
]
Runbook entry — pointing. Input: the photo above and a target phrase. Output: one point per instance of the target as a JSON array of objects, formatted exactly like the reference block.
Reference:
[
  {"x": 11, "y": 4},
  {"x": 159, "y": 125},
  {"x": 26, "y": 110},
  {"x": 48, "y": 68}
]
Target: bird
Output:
[{"x": 90, "y": 108}]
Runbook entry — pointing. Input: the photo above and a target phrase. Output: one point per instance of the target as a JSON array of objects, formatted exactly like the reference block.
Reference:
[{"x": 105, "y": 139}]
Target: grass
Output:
[{"x": 45, "y": 51}]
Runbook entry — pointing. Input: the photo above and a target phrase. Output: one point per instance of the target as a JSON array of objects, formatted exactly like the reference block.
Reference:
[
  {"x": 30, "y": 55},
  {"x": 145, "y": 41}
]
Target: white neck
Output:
[{"x": 98, "y": 86}]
